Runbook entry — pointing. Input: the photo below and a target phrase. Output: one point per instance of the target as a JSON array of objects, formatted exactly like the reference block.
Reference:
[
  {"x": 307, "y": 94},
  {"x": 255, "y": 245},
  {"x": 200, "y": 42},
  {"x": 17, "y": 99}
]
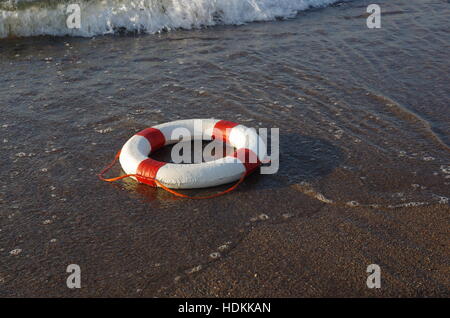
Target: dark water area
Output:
[{"x": 364, "y": 132}]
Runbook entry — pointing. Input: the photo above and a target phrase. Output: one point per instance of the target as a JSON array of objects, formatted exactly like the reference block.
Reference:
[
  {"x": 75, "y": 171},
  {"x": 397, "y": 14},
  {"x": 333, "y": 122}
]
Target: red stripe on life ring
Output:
[
  {"x": 248, "y": 158},
  {"x": 154, "y": 136},
  {"x": 222, "y": 130},
  {"x": 148, "y": 169}
]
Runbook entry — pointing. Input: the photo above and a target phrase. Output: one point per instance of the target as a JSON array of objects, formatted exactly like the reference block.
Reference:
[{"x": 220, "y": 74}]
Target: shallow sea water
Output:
[{"x": 363, "y": 117}]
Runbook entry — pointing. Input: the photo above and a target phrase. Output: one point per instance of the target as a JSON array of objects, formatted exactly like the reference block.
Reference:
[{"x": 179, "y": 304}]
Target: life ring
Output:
[{"x": 250, "y": 152}]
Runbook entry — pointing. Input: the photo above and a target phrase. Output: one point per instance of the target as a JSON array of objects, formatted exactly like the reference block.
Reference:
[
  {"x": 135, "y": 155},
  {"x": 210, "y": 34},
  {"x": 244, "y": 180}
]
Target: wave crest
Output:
[{"x": 48, "y": 17}]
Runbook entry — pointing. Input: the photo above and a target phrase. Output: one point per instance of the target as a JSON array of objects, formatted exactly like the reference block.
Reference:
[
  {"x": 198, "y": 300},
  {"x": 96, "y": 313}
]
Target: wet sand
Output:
[{"x": 364, "y": 169}]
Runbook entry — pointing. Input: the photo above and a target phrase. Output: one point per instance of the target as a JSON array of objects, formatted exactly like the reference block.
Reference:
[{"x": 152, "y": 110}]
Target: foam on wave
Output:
[{"x": 48, "y": 17}]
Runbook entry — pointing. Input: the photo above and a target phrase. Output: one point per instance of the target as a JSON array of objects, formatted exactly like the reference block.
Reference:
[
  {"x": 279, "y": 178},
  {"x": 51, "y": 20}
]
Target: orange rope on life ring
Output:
[{"x": 101, "y": 177}]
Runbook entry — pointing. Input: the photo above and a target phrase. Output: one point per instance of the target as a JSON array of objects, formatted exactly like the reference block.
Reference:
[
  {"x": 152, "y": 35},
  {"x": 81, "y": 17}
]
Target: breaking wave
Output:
[{"x": 49, "y": 17}]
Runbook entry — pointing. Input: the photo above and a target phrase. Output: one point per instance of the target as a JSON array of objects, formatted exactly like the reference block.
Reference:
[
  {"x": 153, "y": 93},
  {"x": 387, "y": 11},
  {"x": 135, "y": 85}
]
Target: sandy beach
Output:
[{"x": 364, "y": 171}]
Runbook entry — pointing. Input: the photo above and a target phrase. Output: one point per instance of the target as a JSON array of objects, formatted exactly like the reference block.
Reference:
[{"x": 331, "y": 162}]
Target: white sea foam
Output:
[{"x": 48, "y": 17}]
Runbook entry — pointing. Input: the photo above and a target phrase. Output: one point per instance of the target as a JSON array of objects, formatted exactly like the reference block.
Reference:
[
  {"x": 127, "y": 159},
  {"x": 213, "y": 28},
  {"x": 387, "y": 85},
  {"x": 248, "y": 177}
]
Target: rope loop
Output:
[{"x": 116, "y": 158}]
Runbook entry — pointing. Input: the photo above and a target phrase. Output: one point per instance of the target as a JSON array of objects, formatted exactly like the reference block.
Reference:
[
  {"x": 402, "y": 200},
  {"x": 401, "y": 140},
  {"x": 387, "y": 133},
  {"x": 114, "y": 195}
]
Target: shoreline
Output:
[{"x": 362, "y": 177}]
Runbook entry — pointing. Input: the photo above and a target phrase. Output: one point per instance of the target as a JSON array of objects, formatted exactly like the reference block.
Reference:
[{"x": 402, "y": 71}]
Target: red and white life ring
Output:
[{"x": 250, "y": 152}]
